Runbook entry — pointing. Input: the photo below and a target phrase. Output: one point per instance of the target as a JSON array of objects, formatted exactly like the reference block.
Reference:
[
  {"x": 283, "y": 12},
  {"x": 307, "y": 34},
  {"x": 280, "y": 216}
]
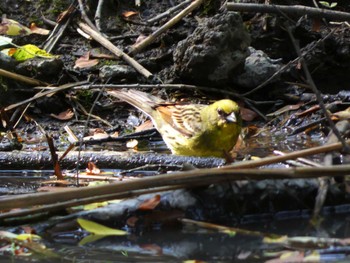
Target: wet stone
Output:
[
  {"x": 214, "y": 51},
  {"x": 116, "y": 71},
  {"x": 40, "y": 67},
  {"x": 258, "y": 68}
]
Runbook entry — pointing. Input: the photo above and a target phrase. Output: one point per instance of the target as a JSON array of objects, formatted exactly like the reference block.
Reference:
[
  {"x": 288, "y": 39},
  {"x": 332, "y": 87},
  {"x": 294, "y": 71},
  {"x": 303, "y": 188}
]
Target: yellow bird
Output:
[{"x": 190, "y": 129}]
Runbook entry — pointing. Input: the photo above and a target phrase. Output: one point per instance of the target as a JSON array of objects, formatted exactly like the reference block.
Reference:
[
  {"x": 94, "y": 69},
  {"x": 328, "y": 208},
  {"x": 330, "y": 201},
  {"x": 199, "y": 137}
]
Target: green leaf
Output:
[
  {"x": 334, "y": 4},
  {"x": 324, "y": 3},
  {"x": 90, "y": 239},
  {"x": 99, "y": 229},
  {"x": 94, "y": 205},
  {"x": 229, "y": 232}
]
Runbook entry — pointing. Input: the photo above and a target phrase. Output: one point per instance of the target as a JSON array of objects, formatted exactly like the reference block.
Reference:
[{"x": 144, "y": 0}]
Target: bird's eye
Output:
[{"x": 221, "y": 112}]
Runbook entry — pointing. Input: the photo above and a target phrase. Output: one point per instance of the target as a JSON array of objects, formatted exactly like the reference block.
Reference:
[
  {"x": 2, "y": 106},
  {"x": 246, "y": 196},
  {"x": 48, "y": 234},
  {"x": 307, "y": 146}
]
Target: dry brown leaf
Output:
[
  {"x": 97, "y": 131},
  {"x": 28, "y": 229},
  {"x": 85, "y": 61},
  {"x": 63, "y": 116},
  {"x": 284, "y": 109},
  {"x": 247, "y": 114},
  {"x": 92, "y": 169},
  {"x": 97, "y": 53},
  {"x": 39, "y": 30},
  {"x": 140, "y": 39},
  {"x": 127, "y": 14},
  {"x": 97, "y": 136},
  {"x": 131, "y": 221},
  {"x": 115, "y": 135},
  {"x": 316, "y": 24},
  {"x": 342, "y": 115},
  {"x": 144, "y": 126},
  {"x": 308, "y": 111},
  {"x": 150, "y": 204},
  {"x": 152, "y": 247}
]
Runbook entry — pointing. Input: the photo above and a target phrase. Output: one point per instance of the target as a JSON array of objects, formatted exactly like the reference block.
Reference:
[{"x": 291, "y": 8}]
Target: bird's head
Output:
[{"x": 226, "y": 112}]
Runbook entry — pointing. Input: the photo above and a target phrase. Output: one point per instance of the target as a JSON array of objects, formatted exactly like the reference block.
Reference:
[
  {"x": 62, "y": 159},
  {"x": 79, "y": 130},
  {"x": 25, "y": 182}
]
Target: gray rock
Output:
[
  {"x": 116, "y": 71},
  {"x": 7, "y": 62},
  {"x": 258, "y": 68},
  {"x": 40, "y": 67},
  {"x": 214, "y": 51}
]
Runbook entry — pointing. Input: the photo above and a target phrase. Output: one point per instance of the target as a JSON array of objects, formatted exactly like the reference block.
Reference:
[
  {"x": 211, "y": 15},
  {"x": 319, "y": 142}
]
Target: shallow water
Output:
[{"x": 159, "y": 243}]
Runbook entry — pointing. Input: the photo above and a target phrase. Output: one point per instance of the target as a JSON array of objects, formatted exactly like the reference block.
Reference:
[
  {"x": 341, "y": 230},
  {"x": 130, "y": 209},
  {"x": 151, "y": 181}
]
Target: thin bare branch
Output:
[
  {"x": 168, "y": 12},
  {"x": 21, "y": 78},
  {"x": 45, "y": 93},
  {"x": 296, "y": 10},
  {"x": 317, "y": 92}
]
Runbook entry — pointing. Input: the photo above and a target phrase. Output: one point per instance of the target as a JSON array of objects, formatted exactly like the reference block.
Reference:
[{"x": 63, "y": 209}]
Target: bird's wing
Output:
[
  {"x": 186, "y": 119},
  {"x": 141, "y": 100}
]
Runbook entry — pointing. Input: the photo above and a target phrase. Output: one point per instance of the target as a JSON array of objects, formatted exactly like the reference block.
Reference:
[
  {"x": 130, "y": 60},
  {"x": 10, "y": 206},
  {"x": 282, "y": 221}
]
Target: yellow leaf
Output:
[
  {"x": 89, "y": 239},
  {"x": 343, "y": 115},
  {"x": 30, "y": 237},
  {"x": 94, "y": 205},
  {"x": 313, "y": 257},
  {"x": 29, "y": 51},
  {"x": 275, "y": 240},
  {"x": 99, "y": 229},
  {"x": 229, "y": 232}
]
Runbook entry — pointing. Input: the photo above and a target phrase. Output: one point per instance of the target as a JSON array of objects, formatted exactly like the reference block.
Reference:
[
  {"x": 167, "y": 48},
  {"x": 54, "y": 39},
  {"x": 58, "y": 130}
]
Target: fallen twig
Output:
[
  {"x": 288, "y": 156},
  {"x": 324, "y": 182},
  {"x": 289, "y": 242},
  {"x": 156, "y": 86},
  {"x": 21, "y": 78},
  {"x": 84, "y": 111},
  {"x": 191, "y": 178},
  {"x": 85, "y": 16},
  {"x": 98, "y": 14},
  {"x": 296, "y": 10},
  {"x": 116, "y": 51},
  {"x": 151, "y": 38},
  {"x": 315, "y": 90},
  {"x": 110, "y": 159},
  {"x": 168, "y": 12},
  {"x": 45, "y": 93},
  {"x": 127, "y": 160},
  {"x": 83, "y": 201},
  {"x": 227, "y": 229}
]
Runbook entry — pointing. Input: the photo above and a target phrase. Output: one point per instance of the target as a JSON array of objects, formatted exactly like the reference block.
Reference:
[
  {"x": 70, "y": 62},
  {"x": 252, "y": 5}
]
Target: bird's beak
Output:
[{"x": 231, "y": 118}]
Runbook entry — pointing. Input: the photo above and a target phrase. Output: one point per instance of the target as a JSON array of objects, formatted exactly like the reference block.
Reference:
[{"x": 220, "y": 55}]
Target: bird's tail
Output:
[{"x": 141, "y": 100}]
